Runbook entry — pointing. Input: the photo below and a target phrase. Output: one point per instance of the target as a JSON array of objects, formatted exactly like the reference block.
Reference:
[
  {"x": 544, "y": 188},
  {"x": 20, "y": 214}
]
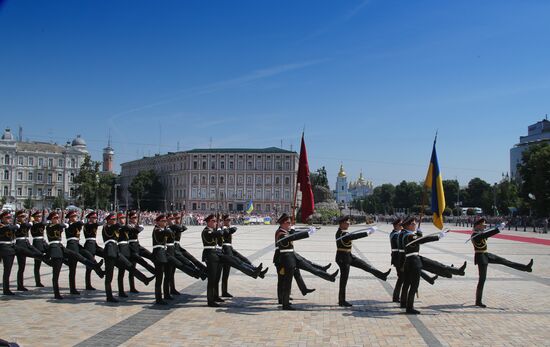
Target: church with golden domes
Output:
[{"x": 346, "y": 192}]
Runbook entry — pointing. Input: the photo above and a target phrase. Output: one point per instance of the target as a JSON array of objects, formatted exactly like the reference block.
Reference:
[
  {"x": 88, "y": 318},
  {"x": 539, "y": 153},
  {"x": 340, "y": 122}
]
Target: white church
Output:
[{"x": 346, "y": 193}]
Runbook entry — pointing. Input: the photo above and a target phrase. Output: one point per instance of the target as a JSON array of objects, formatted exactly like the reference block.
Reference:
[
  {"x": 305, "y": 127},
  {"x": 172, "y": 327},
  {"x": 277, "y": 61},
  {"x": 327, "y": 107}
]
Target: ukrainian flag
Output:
[
  {"x": 249, "y": 207},
  {"x": 434, "y": 181}
]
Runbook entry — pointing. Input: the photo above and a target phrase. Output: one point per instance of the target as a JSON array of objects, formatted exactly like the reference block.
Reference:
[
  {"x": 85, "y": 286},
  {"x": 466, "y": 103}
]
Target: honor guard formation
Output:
[{"x": 122, "y": 249}]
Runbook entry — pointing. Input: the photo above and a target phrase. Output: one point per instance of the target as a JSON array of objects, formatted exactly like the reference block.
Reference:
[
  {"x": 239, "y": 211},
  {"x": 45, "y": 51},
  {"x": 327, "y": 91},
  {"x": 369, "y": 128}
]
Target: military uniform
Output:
[
  {"x": 90, "y": 244},
  {"x": 160, "y": 259},
  {"x": 176, "y": 260},
  {"x": 7, "y": 250},
  {"x": 483, "y": 258},
  {"x": 138, "y": 254},
  {"x": 38, "y": 241},
  {"x": 24, "y": 249}
]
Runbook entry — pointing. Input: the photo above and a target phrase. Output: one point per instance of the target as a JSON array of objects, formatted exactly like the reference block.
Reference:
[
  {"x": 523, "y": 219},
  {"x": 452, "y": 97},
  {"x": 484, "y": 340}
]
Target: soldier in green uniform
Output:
[
  {"x": 345, "y": 259},
  {"x": 90, "y": 244},
  {"x": 138, "y": 254},
  {"x": 7, "y": 249},
  {"x": 159, "y": 256},
  {"x": 37, "y": 233},
  {"x": 483, "y": 258}
]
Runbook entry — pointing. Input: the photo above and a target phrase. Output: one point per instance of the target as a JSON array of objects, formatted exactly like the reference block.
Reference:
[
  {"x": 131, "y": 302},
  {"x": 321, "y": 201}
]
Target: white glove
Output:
[
  {"x": 501, "y": 226},
  {"x": 418, "y": 230},
  {"x": 371, "y": 230},
  {"x": 140, "y": 227},
  {"x": 311, "y": 230},
  {"x": 442, "y": 234},
  {"x": 224, "y": 228},
  {"x": 65, "y": 225},
  {"x": 17, "y": 226},
  {"x": 219, "y": 229},
  {"x": 30, "y": 224},
  {"x": 293, "y": 228}
]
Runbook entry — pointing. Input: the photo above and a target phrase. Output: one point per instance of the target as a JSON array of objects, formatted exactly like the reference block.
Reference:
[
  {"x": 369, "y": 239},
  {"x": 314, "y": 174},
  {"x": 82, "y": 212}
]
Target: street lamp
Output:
[
  {"x": 116, "y": 196},
  {"x": 96, "y": 191}
]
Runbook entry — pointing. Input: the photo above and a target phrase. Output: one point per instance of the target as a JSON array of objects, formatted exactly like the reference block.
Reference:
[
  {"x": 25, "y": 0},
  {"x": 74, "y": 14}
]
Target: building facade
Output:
[
  {"x": 347, "y": 192},
  {"x": 224, "y": 179},
  {"x": 536, "y": 133},
  {"x": 38, "y": 170}
]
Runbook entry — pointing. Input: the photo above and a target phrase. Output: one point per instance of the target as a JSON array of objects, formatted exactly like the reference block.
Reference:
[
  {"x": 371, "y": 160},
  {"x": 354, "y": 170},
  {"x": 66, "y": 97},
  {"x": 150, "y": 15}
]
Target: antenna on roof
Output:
[
  {"x": 210, "y": 142},
  {"x": 281, "y": 143}
]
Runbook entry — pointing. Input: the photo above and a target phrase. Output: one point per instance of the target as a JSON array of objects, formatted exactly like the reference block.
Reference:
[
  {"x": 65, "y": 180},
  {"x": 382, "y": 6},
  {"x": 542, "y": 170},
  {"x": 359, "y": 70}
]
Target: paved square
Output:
[{"x": 518, "y": 311}]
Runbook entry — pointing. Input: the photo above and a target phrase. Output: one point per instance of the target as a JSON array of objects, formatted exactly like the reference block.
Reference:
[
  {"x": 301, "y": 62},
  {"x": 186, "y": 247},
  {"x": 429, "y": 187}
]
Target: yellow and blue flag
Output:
[
  {"x": 249, "y": 207},
  {"x": 434, "y": 181}
]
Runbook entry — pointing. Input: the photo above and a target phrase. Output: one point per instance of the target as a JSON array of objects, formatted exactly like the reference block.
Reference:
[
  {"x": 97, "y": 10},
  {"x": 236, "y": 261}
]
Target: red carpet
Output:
[{"x": 511, "y": 237}]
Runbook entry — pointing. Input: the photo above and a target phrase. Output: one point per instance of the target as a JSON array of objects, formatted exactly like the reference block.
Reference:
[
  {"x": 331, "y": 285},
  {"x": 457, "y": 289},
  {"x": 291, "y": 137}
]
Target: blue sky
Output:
[{"x": 371, "y": 81}]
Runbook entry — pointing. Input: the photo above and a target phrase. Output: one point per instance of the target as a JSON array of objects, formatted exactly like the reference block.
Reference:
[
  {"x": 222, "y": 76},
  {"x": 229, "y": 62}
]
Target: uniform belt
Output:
[
  {"x": 133, "y": 241},
  {"x": 348, "y": 250},
  {"x": 111, "y": 240},
  {"x": 55, "y": 241},
  {"x": 72, "y": 238},
  {"x": 22, "y": 238},
  {"x": 170, "y": 244},
  {"x": 6, "y": 242},
  {"x": 90, "y": 239},
  {"x": 227, "y": 244},
  {"x": 395, "y": 249},
  {"x": 401, "y": 251},
  {"x": 38, "y": 237},
  {"x": 209, "y": 247},
  {"x": 177, "y": 242},
  {"x": 159, "y": 246},
  {"x": 411, "y": 254},
  {"x": 286, "y": 250},
  {"x": 122, "y": 242},
  {"x": 480, "y": 251}
]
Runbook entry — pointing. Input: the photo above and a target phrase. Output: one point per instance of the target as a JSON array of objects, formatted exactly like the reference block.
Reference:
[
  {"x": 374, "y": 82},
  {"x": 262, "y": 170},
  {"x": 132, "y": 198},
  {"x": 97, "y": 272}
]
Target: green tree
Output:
[
  {"x": 94, "y": 188},
  {"x": 147, "y": 191},
  {"x": 534, "y": 171},
  {"x": 451, "y": 192},
  {"x": 28, "y": 203},
  {"x": 479, "y": 194},
  {"x": 382, "y": 198},
  {"x": 507, "y": 196},
  {"x": 59, "y": 202},
  {"x": 407, "y": 194}
]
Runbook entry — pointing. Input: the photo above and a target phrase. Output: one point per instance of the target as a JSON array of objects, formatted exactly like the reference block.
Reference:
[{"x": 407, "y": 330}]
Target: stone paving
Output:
[{"x": 518, "y": 312}]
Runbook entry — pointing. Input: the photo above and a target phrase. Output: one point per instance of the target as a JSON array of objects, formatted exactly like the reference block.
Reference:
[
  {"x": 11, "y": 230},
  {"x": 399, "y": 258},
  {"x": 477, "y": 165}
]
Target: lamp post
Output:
[
  {"x": 96, "y": 191},
  {"x": 116, "y": 196}
]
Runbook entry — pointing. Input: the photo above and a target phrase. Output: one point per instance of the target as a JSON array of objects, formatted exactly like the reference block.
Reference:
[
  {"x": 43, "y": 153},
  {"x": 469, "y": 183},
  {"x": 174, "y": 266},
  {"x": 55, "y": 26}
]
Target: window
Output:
[
  {"x": 240, "y": 165},
  {"x": 59, "y": 192},
  {"x": 278, "y": 166},
  {"x": 20, "y": 160},
  {"x": 258, "y": 164},
  {"x": 194, "y": 206},
  {"x": 213, "y": 165},
  {"x": 19, "y": 191},
  {"x": 222, "y": 165},
  {"x": 7, "y": 159},
  {"x": 248, "y": 179},
  {"x": 49, "y": 192},
  {"x": 73, "y": 163},
  {"x": 19, "y": 175},
  {"x": 60, "y": 162},
  {"x": 287, "y": 195},
  {"x": 5, "y": 190},
  {"x": 72, "y": 193},
  {"x": 231, "y": 180},
  {"x": 31, "y": 161},
  {"x": 49, "y": 180},
  {"x": 39, "y": 192},
  {"x": 29, "y": 191},
  {"x": 203, "y": 180},
  {"x": 40, "y": 162},
  {"x": 240, "y": 179},
  {"x": 231, "y": 165},
  {"x": 287, "y": 180},
  {"x": 258, "y": 194},
  {"x": 39, "y": 177},
  {"x": 29, "y": 176},
  {"x": 195, "y": 179},
  {"x": 267, "y": 195},
  {"x": 50, "y": 162},
  {"x": 268, "y": 180},
  {"x": 249, "y": 166},
  {"x": 6, "y": 174},
  {"x": 221, "y": 180},
  {"x": 195, "y": 167},
  {"x": 267, "y": 208},
  {"x": 60, "y": 177},
  {"x": 239, "y": 194},
  {"x": 287, "y": 165},
  {"x": 212, "y": 179},
  {"x": 277, "y": 195},
  {"x": 204, "y": 164},
  {"x": 277, "y": 180},
  {"x": 268, "y": 165},
  {"x": 194, "y": 193}
]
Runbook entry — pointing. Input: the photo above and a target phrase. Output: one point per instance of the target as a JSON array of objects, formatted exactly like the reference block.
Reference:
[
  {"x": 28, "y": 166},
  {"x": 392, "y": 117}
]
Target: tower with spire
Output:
[
  {"x": 108, "y": 156},
  {"x": 341, "y": 194}
]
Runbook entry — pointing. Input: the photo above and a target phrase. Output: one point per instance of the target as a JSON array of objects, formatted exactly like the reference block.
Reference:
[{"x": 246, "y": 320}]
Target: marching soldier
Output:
[
  {"x": 137, "y": 253},
  {"x": 23, "y": 248},
  {"x": 37, "y": 233},
  {"x": 7, "y": 249},
  {"x": 176, "y": 260},
  {"x": 72, "y": 234},
  {"x": 113, "y": 257},
  {"x": 414, "y": 263},
  {"x": 483, "y": 258},
  {"x": 345, "y": 259},
  {"x": 227, "y": 248},
  {"x": 214, "y": 259},
  {"x": 90, "y": 244},
  {"x": 181, "y": 253},
  {"x": 58, "y": 253},
  {"x": 398, "y": 260},
  {"x": 159, "y": 256}
]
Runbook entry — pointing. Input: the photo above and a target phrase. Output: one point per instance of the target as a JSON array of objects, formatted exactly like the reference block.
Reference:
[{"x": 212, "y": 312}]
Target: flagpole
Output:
[{"x": 296, "y": 189}]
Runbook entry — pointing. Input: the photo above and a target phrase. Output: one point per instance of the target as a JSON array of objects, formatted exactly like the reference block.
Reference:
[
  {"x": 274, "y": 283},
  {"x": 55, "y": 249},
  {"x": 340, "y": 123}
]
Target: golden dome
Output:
[{"x": 342, "y": 173}]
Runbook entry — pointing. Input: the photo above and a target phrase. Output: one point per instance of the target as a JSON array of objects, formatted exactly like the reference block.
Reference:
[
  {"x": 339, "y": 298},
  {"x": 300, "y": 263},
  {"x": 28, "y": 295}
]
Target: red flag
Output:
[{"x": 308, "y": 204}]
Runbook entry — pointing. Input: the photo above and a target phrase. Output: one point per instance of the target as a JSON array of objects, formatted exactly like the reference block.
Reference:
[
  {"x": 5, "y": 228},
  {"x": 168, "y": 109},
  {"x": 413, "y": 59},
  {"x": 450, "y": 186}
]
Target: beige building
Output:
[
  {"x": 39, "y": 170},
  {"x": 202, "y": 179}
]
